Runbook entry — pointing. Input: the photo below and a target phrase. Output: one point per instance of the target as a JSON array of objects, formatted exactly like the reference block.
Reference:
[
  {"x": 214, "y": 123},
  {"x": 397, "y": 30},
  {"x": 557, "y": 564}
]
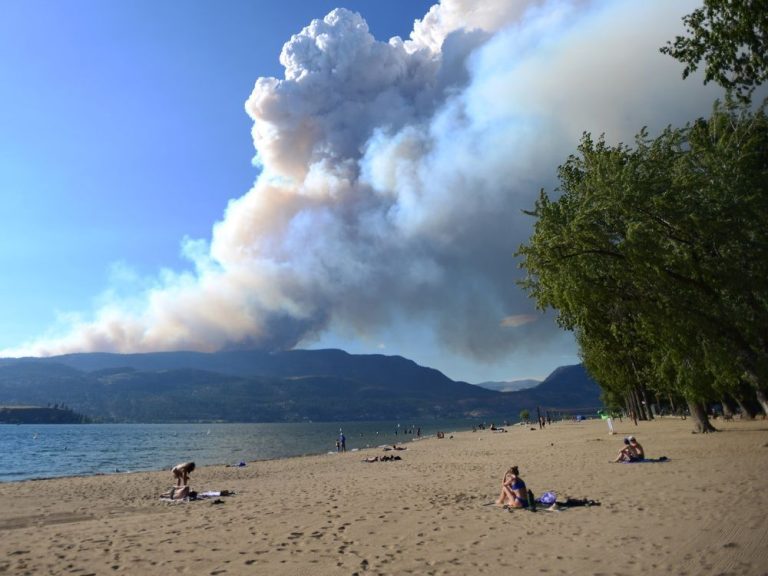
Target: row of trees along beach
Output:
[{"x": 656, "y": 254}]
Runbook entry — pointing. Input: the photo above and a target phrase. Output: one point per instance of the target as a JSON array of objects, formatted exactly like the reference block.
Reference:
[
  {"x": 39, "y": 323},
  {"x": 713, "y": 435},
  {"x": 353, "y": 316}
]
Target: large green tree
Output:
[
  {"x": 660, "y": 253},
  {"x": 731, "y": 38}
]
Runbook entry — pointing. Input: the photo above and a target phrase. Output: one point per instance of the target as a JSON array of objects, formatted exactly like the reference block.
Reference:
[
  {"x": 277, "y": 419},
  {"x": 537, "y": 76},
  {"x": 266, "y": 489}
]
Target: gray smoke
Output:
[{"x": 393, "y": 174}]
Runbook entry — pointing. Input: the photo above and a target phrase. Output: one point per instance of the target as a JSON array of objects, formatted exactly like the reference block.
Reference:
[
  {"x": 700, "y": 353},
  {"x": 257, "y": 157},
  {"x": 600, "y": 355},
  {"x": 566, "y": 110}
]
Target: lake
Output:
[{"x": 48, "y": 451}]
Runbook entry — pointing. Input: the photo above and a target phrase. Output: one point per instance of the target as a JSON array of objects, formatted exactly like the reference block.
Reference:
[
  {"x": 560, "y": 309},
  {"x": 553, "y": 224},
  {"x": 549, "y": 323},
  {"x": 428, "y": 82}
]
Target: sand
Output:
[{"x": 703, "y": 512}]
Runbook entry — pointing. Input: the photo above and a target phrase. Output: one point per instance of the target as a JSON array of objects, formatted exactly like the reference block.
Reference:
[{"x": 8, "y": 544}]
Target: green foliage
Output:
[
  {"x": 731, "y": 37},
  {"x": 657, "y": 255},
  {"x": 40, "y": 415},
  {"x": 525, "y": 415}
]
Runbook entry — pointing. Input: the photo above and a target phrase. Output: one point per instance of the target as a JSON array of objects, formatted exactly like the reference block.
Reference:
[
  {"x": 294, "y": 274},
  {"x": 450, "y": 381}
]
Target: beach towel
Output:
[
  {"x": 567, "y": 504},
  {"x": 578, "y": 503},
  {"x": 647, "y": 460},
  {"x": 548, "y": 502},
  {"x": 215, "y": 494},
  {"x": 198, "y": 496}
]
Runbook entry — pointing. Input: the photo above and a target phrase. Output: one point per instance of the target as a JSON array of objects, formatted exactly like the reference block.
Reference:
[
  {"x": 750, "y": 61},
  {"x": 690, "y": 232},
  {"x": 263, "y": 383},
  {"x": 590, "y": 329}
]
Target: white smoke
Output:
[{"x": 393, "y": 174}]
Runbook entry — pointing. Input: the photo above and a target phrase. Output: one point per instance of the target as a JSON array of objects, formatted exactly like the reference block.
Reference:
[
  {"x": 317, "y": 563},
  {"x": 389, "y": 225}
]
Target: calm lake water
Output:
[{"x": 53, "y": 450}]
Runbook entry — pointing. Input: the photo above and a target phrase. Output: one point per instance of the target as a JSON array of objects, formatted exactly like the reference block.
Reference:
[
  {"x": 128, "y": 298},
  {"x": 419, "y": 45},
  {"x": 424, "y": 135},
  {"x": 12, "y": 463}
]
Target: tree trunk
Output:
[
  {"x": 672, "y": 404},
  {"x": 639, "y": 412},
  {"x": 702, "y": 425},
  {"x": 728, "y": 410},
  {"x": 645, "y": 404},
  {"x": 629, "y": 402},
  {"x": 747, "y": 412},
  {"x": 762, "y": 398},
  {"x": 761, "y": 393},
  {"x": 632, "y": 405}
]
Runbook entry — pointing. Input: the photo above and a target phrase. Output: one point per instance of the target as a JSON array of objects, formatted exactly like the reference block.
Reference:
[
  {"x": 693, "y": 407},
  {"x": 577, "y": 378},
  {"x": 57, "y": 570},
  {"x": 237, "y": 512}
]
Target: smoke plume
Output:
[{"x": 392, "y": 177}]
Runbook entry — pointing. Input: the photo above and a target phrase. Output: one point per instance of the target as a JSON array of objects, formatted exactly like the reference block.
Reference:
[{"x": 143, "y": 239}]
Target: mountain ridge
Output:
[{"x": 247, "y": 386}]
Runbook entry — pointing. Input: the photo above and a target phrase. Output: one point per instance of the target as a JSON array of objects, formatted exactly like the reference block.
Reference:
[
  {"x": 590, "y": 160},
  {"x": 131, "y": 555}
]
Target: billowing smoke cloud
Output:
[{"x": 392, "y": 176}]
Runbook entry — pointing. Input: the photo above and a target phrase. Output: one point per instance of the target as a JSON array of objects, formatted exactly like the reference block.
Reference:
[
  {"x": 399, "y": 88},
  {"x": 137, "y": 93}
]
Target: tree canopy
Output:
[
  {"x": 731, "y": 37},
  {"x": 657, "y": 256}
]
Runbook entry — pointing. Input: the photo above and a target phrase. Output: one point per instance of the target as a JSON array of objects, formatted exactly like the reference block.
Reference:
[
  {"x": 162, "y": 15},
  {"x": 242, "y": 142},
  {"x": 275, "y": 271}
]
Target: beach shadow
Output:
[{"x": 740, "y": 430}]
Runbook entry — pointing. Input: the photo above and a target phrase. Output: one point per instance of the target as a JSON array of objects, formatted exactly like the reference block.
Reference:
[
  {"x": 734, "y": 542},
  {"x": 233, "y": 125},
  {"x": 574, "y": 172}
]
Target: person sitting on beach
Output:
[
  {"x": 504, "y": 481},
  {"x": 637, "y": 447},
  {"x": 181, "y": 473},
  {"x": 630, "y": 452},
  {"x": 513, "y": 490}
]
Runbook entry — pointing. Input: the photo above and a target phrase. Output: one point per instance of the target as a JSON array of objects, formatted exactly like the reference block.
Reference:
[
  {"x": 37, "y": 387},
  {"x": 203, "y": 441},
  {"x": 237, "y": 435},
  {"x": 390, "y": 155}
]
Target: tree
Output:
[
  {"x": 525, "y": 415},
  {"x": 731, "y": 37},
  {"x": 657, "y": 256}
]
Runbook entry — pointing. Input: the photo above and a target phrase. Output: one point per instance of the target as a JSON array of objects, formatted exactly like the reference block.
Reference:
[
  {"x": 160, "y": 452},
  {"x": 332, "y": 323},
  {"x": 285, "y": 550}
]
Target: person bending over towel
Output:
[
  {"x": 513, "y": 490},
  {"x": 181, "y": 473}
]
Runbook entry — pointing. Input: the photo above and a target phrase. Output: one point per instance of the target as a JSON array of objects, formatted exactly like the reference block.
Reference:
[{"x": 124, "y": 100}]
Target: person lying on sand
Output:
[
  {"x": 381, "y": 458},
  {"x": 184, "y": 493},
  {"x": 513, "y": 490},
  {"x": 177, "y": 493}
]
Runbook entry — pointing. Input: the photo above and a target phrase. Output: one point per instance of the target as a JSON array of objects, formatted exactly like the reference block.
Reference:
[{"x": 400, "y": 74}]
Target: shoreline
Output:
[
  {"x": 428, "y": 513},
  {"x": 72, "y": 451}
]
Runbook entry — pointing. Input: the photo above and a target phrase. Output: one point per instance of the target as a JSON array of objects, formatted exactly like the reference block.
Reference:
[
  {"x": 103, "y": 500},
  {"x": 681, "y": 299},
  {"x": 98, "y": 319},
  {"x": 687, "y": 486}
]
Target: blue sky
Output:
[
  {"x": 122, "y": 130},
  {"x": 123, "y": 135}
]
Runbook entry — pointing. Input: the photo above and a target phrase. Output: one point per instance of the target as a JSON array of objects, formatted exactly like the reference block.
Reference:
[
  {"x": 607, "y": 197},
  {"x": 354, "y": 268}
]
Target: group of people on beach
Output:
[
  {"x": 515, "y": 494},
  {"x": 181, "y": 474},
  {"x": 631, "y": 452}
]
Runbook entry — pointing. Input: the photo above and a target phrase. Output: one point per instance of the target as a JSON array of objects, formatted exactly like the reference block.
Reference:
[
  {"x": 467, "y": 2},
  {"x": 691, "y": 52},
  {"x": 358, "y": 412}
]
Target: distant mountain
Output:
[
  {"x": 254, "y": 386},
  {"x": 510, "y": 386},
  {"x": 568, "y": 387}
]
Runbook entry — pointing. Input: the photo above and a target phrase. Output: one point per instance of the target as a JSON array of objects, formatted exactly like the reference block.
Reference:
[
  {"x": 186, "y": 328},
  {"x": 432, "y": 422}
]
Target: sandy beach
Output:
[{"x": 702, "y": 512}]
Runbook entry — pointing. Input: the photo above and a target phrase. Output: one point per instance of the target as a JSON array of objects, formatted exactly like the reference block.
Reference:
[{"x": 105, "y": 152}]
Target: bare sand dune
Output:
[{"x": 703, "y": 512}]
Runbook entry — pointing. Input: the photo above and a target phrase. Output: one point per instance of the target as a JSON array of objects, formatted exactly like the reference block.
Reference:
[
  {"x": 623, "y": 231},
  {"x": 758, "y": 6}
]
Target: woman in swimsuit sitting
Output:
[{"x": 513, "y": 490}]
